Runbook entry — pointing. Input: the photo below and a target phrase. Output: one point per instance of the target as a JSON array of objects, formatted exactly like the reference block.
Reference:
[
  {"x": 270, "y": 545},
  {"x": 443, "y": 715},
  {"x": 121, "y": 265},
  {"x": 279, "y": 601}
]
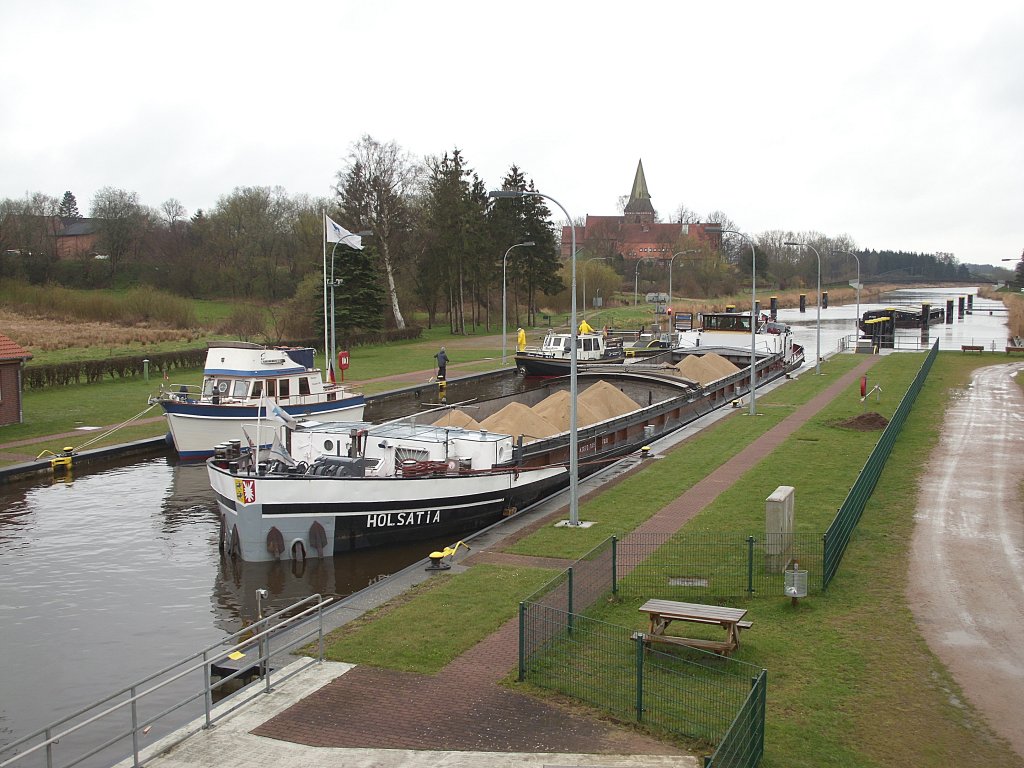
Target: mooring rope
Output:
[{"x": 112, "y": 430}]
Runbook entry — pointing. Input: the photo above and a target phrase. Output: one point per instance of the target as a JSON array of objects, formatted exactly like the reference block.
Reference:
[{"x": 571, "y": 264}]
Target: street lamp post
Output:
[
  {"x": 585, "y": 269},
  {"x": 334, "y": 284},
  {"x": 753, "y": 317},
  {"x": 574, "y": 480},
  {"x": 636, "y": 281},
  {"x": 690, "y": 250},
  {"x": 856, "y": 320},
  {"x": 504, "y": 314},
  {"x": 817, "y": 353}
]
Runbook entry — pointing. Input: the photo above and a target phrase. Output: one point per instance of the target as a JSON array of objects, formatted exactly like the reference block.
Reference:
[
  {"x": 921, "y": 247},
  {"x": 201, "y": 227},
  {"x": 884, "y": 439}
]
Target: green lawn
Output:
[{"x": 851, "y": 682}]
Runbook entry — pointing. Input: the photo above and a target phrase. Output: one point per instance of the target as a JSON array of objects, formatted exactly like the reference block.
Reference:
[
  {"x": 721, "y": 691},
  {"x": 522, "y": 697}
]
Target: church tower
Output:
[{"x": 639, "y": 209}]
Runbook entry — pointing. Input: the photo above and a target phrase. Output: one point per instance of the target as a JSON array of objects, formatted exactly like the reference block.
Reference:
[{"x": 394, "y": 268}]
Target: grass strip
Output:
[
  {"x": 633, "y": 500},
  {"x": 429, "y": 626}
]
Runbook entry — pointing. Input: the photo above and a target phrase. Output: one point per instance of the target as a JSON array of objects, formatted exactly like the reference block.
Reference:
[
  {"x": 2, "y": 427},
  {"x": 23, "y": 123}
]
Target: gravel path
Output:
[{"x": 966, "y": 581}]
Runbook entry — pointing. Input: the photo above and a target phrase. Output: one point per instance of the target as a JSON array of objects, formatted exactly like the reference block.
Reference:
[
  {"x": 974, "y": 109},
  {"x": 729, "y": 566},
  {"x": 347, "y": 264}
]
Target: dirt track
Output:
[{"x": 966, "y": 581}]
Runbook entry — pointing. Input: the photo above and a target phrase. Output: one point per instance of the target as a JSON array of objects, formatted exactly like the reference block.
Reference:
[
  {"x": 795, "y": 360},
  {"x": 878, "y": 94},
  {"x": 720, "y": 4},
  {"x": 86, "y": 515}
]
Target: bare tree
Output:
[
  {"x": 172, "y": 211},
  {"x": 375, "y": 190},
  {"x": 123, "y": 226},
  {"x": 684, "y": 215}
]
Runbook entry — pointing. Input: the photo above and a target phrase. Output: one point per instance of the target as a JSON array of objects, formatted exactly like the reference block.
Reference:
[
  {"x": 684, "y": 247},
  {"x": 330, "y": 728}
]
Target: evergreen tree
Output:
[
  {"x": 453, "y": 230},
  {"x": 359, "y": 300},
  {"x": 68, "y": 207},
  {"x": 533, "y": 269}
]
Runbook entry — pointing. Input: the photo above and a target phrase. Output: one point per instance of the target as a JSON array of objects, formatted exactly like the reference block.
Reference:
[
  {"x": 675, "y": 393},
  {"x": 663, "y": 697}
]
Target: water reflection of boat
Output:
[
  {"x": 347, "y": 486},
  {"x": 237, "y": 380},
  {"x": 234, "y": 593}
]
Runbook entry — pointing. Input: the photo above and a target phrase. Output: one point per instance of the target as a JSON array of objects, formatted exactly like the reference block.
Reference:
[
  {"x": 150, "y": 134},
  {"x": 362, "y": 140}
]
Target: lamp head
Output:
[
  {"x": 262, "y": 594},
  {"x": 528, "y": 242},
  {"x": 501, "y": 194},
  {"x": 791, "y": 243}
]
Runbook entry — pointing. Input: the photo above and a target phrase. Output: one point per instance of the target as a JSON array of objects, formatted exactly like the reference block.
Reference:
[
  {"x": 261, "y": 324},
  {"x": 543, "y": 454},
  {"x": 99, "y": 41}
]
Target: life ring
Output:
[{"x": 222, "y": 387}]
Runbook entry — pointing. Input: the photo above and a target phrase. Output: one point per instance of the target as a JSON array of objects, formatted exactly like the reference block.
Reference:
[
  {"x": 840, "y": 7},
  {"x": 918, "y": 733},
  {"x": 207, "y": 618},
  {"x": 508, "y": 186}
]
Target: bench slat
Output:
[{"x": 718, "y": 646}]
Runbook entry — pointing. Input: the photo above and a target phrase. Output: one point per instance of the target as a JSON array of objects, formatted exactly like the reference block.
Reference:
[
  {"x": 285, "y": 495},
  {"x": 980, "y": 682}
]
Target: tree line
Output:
[{"x": 436, "y": 244}]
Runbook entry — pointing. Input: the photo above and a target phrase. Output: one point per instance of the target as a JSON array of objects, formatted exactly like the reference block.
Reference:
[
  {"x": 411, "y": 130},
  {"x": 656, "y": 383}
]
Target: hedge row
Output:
[{"x": 90, "y": 371}]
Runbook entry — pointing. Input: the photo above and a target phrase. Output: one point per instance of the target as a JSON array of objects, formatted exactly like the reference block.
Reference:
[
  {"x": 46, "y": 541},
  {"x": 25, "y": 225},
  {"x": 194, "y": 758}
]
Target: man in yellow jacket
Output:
[
  {"x": 521, "y": 340},
  {"x": 585, "y": 327}
]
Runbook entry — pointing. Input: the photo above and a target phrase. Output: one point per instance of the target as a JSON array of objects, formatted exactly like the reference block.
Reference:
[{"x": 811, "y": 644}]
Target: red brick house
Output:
[
  {"x": 12, "y": 360},
  {"x": 635, "y": 234},
  {"x": 52, "y": 235},
  {"x": 77, "y": 238}
]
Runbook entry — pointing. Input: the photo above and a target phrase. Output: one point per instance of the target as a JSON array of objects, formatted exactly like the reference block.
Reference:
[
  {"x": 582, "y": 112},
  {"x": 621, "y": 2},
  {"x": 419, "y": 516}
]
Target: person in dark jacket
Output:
[{"x": 442, "y": 364}]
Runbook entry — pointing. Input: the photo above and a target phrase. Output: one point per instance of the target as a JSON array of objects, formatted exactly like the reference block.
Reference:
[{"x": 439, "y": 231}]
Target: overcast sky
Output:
[{"x": 898, "y": 123}]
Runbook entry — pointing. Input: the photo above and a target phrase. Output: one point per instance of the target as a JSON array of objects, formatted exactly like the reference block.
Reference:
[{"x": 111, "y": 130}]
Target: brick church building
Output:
[{"x": 635, "y": 235}]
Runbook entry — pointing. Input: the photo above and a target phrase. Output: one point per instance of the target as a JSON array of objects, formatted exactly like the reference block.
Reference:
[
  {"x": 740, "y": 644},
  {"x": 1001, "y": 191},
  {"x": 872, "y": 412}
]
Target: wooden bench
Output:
[
  {"x": 664, "y": 612},
  {"x": 1010, "y": 349},
  {"x": 972, "y": 348}
]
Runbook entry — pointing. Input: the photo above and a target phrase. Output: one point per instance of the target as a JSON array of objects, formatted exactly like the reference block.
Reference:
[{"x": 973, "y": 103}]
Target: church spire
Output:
[{"x": 639, "y": 208}]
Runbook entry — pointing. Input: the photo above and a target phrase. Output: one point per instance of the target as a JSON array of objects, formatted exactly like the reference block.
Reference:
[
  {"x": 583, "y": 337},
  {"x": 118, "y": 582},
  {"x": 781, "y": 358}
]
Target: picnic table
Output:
[{"x": 663, "y": 612}]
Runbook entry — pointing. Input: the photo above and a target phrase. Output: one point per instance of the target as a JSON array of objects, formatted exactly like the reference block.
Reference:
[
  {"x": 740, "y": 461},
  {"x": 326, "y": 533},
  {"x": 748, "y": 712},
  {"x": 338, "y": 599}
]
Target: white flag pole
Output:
[{"x": 326, "y": 351}]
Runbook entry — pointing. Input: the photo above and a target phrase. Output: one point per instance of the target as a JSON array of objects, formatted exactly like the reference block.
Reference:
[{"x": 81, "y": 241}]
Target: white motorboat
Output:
[{"x": 239, "y": 379}]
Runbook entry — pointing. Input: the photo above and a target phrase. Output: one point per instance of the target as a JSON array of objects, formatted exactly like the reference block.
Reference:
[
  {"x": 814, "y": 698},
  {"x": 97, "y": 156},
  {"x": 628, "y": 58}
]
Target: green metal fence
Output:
[
  {"x": 696, "y": 567},
  {"x": 837, "y": 537},
  {"x": 700, "y": 695},
  {"x": 743, "y": 744}
]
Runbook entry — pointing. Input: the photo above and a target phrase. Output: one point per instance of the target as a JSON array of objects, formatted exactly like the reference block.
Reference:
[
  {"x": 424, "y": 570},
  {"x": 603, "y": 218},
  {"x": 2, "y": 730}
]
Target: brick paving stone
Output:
[{"x": 384, "y": 709}]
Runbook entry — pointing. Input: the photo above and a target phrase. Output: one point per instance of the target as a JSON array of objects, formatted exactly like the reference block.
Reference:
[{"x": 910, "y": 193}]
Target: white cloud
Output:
[{"x": 895, "y": 123}]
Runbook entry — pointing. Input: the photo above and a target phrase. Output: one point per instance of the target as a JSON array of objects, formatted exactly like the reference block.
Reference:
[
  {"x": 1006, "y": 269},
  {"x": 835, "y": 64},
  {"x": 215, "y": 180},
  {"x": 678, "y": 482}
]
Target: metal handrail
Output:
[{"x": 263, "y": 640}]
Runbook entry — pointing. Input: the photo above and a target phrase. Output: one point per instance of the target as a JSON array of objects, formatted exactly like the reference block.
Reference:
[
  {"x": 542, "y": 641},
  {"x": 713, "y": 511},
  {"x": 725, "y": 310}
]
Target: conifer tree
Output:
[
  {"x": 534, "y": 269},
  {"x": 68, "y": 207},
  {"x": 359, "y": 299}
]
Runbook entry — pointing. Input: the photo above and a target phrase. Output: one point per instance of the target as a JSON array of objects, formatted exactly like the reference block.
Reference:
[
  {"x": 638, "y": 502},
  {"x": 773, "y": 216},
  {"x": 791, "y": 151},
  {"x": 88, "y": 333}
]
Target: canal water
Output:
[{"x": 114, "y": 573}]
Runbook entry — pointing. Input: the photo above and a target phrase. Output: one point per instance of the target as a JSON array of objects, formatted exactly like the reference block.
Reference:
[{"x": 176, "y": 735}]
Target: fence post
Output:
[
  {"x": 522, "y": 641},
  {"x": 135, "y": 726},
  {"x": 615, "y": 565},
  {"x": 750, "y": 565},
  {"x": 570, "y": 600},
  {"x": 762, "y": 707},
  {"x": 639, "y": 677},
  {"x": 824, "y": 562},
  {"x": 266, "y": 668},
  {"x": 320, "y": 630},
  {"x": 207, "y": 689}
]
